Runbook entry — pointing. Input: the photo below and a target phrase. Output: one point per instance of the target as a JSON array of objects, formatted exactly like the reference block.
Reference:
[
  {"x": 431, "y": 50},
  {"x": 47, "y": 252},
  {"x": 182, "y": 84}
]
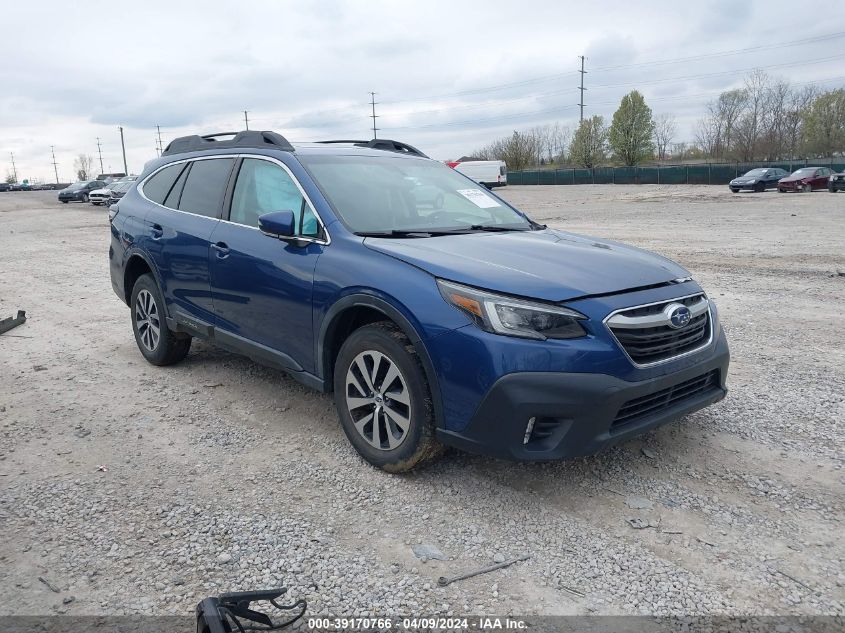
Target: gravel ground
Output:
[{"x": 135, "y": 489}]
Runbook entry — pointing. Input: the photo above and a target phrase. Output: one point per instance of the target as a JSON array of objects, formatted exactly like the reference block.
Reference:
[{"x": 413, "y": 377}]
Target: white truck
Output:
[{"x": 490, "y": 173}]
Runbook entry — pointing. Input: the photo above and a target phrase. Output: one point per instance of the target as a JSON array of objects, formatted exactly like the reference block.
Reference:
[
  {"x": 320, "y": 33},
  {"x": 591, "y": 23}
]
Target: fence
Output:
[{"x": 699, "y": 174}]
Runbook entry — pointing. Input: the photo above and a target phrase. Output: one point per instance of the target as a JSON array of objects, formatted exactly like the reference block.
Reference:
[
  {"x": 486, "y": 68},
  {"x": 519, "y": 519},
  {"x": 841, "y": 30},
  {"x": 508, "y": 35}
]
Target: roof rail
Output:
[
  {"x": 247, "y": 138},
  {"x": 384, "y": 144}
]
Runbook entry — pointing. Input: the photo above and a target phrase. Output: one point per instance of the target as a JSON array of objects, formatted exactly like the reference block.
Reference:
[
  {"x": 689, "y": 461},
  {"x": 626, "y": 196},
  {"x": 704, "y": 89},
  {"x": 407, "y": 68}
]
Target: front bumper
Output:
[
  {"x": 71, "y": 197},
  {"x": 836, "y": 185},
  {"x": 741, "y": 187},
  {"x": 580, "y": 413}
]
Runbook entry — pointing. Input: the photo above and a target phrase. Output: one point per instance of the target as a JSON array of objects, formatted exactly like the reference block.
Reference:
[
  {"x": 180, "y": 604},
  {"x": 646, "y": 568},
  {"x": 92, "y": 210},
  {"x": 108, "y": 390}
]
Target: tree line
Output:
[{"x": 765, "y": 120}]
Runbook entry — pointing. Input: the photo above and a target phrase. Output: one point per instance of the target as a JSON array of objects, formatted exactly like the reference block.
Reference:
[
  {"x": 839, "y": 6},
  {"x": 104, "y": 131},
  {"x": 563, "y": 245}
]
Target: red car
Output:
[{"x": 805, "y": 179}]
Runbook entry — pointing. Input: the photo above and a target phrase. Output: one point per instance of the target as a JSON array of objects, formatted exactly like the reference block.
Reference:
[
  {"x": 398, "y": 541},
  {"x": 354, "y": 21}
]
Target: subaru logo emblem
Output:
[{"x": 679, "y": 316}]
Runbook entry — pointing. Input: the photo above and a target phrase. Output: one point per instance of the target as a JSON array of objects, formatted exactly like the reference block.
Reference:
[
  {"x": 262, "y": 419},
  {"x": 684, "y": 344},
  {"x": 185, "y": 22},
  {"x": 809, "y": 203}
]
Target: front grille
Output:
[
  {"x": 658, "y": 341},
  {"x": 653, "y": 403}
]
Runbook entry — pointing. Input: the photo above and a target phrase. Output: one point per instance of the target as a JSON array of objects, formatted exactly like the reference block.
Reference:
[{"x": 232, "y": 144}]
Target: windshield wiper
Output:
[
  {"x": 398, "y": 233},
  {"x": 493, "y": 228}
]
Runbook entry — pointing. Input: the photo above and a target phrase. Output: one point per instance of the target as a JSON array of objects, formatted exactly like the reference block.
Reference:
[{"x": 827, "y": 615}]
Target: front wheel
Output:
[
  {"x": 807, "y": 188},
  {"x": 158, "y": 344},
  {"x": 734, "y": 190},
  {"x": 383, "y": 399}
]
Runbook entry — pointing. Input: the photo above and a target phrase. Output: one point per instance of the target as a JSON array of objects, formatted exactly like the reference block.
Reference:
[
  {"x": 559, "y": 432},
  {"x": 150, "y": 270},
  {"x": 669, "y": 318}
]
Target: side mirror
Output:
[{"x": 280, "y": 224}]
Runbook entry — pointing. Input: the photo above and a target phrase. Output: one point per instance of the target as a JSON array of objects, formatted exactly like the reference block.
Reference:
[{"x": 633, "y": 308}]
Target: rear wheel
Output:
[
  {"x": 760, "y": 187},
  {"x": 84, "y": 197},
  {"x": 157, "y": 344},
  {"x": 383, "y": 399}
]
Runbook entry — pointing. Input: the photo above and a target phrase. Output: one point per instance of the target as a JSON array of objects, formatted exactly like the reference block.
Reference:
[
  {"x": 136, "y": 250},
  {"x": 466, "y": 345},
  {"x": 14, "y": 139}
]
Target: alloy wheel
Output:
[
  {"x": 378, "y": 400},
  {"x": 147, "y": 320}
]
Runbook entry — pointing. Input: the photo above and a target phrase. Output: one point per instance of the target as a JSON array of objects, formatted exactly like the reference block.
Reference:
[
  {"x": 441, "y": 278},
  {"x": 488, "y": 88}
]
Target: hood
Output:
[
  {"x": 104, "y": 191},
  {"x": 549, "y": 265},
  {"x": 794, "y": 178}
]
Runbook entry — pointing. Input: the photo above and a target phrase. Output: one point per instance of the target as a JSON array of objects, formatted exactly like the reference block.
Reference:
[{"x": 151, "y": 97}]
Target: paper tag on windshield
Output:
[{"x": 478, "y": 198}]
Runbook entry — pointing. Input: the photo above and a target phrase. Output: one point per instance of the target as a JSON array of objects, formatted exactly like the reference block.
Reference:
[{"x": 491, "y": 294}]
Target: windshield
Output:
[
  {"x": 804, "y": 172},
  {"x": 756, "y": 172},
  {"x": 384, "y": 194},
  {"x": 78, "y": 185},
  {"x": 121, "y": 186}
]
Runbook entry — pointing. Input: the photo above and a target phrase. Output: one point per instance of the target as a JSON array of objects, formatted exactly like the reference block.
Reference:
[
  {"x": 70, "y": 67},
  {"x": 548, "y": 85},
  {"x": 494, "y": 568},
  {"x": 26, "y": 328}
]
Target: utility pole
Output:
[
  {"x": 123, "y": 147},
  {"x": 100, "y": 151},
  {"x": 582, "y": 88},
  {"x": 159, "y": 146},
  {"x": 373, "y": 115},
  {"x": 14, "y": 169},
  {"x": 55, "y": 166},
  {"x": 246, "y": 120}
]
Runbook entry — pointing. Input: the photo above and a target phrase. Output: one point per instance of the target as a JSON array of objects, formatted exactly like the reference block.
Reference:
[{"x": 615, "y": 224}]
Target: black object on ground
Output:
[
  {"x": 223, "y": 613},
  {"x": 8, "y": 324}
]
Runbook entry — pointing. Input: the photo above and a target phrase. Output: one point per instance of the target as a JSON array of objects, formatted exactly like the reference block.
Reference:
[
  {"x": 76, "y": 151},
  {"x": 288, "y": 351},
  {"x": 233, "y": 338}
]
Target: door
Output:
[
  {"x": 262, "y": 286},
  {"x": 189, "y": 199}
]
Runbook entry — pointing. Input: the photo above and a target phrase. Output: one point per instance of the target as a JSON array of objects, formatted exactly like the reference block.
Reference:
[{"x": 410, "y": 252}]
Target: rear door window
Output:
[
  {"x": 205, "y": 186},
  {"x": 157, "y": 187},
  {"x": 172, "y": 199}
]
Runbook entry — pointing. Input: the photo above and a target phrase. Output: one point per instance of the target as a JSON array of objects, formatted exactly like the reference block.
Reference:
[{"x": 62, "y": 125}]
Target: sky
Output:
[{"x": 450, "y": 76}]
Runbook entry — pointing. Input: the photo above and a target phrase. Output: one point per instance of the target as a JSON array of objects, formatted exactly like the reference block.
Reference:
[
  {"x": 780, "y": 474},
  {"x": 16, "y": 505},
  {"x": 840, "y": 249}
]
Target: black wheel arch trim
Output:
[
  {"x": 376, "y": 302},
  {"x": 133, "y": 252}
]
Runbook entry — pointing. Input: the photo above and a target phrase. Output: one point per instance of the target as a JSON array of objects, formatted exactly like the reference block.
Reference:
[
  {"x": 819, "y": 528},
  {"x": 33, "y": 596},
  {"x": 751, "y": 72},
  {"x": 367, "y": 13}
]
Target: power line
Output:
[
  {"x": 519, "y": 115},
  {"x": 373, "y": 115},
  {"x": 555, "y": 76}
]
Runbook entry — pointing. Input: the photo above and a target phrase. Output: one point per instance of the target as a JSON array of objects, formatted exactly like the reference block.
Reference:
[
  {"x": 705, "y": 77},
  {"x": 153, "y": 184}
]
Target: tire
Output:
[
  {"x": 360, "y": 365},
  {"x": 734, "y": 190},
  {"x": 84, "y": 197},
  {"x": 157, "y": 344},
  {"x": 64, "y": 201},
  {"x": 807, "y": 189},
  {"x": 760, "y": 187},
  {"x": 781, "y": 190}
]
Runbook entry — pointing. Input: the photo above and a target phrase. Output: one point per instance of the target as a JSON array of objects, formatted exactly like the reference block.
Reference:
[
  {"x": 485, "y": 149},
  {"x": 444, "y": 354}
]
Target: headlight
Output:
[{"x": 513, "y": 317}]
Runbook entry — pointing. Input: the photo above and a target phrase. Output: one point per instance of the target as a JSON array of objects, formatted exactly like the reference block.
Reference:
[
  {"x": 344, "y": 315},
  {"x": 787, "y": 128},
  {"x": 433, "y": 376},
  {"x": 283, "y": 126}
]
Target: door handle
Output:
[
  {"x": 222, "y": 249},
  {"x": 157, "y": 231}
]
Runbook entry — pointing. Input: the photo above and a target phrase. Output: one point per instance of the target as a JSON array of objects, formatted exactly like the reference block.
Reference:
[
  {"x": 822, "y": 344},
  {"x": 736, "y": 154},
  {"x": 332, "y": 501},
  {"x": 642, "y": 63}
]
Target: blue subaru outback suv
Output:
[{"x": 436, "y": 312}]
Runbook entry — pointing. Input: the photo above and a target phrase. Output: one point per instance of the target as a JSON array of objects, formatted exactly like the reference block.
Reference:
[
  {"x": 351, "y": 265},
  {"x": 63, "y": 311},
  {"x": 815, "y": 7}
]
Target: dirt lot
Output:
[{"x": 132, "y": 488}]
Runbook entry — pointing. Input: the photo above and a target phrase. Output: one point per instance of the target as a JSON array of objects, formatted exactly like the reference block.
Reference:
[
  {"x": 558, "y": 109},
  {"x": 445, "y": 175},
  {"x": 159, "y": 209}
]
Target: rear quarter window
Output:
[
  {"x": 205, "y": 186},
  {"x": 157, "y": 187}
]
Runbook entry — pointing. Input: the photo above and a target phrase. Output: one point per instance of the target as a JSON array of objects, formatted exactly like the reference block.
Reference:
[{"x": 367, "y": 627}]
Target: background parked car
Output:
[
  {"x": 79, "y": 191},
  {"x": 805, "y": 179},
  {"x": 5, "y": 186},
  {"x": 117, "y": 190},
  {"x": 836, "y": 182},
  {"x": 102, "y": 195},
  {"x": 490, "y": 173},
  {"x": 758, "y": 179}
]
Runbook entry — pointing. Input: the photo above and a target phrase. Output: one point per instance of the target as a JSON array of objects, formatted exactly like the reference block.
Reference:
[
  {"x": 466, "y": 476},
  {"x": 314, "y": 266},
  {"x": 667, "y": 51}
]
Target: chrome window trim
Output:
[
  {"x": 654, "y": 303},
  {"x": 326, "y": 242}
]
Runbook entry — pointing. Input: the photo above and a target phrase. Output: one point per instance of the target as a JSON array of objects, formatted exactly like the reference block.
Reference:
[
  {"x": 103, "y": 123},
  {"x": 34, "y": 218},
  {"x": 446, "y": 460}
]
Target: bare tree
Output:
[
  {"x": 84, "y": 166},
  {"x": 10, "y": 177},
  {"x": 664, "y": 132}
]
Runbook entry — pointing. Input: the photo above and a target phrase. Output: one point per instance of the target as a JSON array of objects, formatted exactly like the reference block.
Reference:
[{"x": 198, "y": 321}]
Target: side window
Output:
[
  {"x": 157, "y": 187},
  {"x": 263, "y": 187},
  {"x": 205, "y": 186}
]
